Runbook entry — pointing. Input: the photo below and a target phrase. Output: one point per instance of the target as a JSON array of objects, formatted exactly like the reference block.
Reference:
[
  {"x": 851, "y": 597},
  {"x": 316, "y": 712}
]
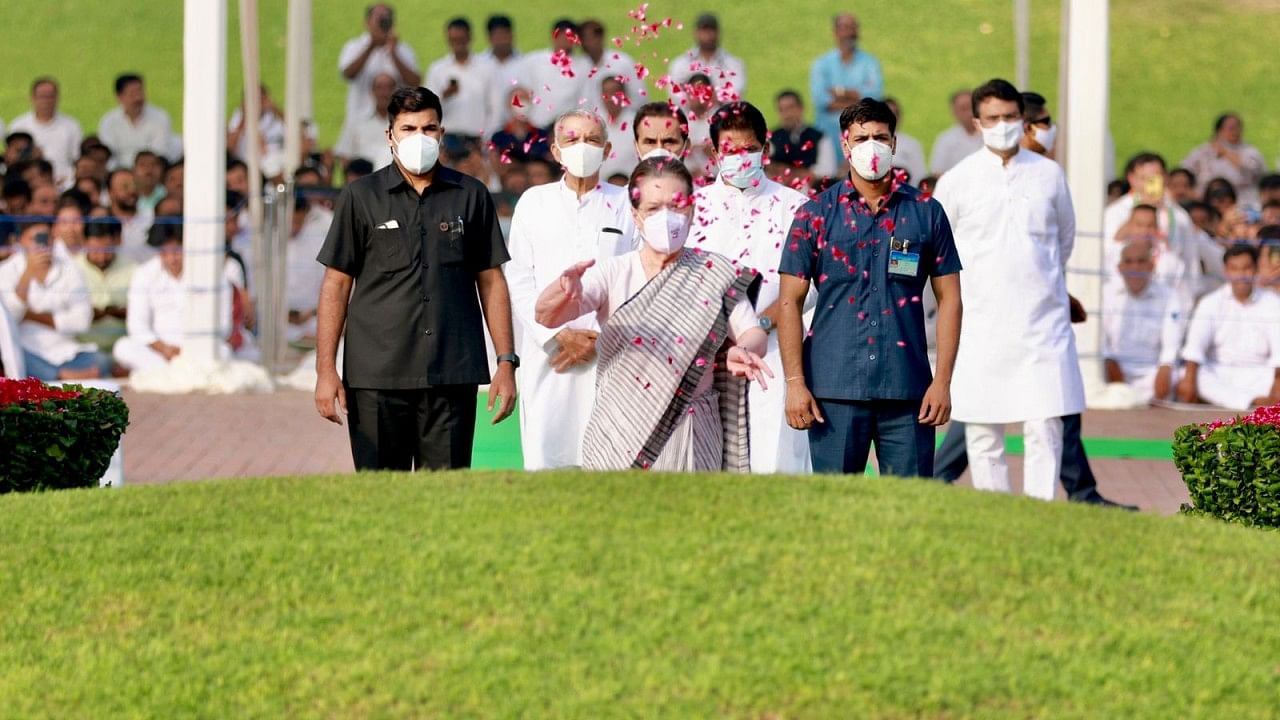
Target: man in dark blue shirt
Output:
[{"x": 862, "y": 375}]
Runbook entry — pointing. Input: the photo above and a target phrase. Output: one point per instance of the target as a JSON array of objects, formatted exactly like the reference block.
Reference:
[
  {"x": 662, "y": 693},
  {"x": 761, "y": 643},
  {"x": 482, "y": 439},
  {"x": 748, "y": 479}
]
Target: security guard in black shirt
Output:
[{"x": 409, "y": 247}]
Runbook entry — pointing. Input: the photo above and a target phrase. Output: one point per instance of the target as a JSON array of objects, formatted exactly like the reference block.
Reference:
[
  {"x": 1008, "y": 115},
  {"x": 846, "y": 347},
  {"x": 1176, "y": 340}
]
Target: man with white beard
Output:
[
  {"x": 745, "y": 217},
  {"x": 1014, "y": 228},
  {"x": 555, "y": 226}
]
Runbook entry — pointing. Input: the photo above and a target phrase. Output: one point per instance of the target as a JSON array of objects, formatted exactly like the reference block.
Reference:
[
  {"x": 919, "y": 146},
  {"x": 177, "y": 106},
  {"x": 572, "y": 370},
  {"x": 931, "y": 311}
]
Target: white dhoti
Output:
[
  {"x": 554, "y": 409},
  {"x": 1042, "y": 458},
  {"x": 776, "y": 447},
  {"x": 1234, "y": 387},
  {"x": 132, "y": 354}
]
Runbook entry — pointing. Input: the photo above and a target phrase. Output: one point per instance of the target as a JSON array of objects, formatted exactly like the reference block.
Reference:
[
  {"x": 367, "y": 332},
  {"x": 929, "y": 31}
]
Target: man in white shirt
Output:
[
  {"x": 556, "y": 77},
  {"x": 309, "y": 228},
  {"x": 122, "y": 193},
  {"x": 556, "y": 226},
  {"x": 367, "y": 137},
  {"x": 135, "y": 125},
  {"x": 42, "y": 290},
  {"x": 745, "y": 217},
  {"x": 1183, "y": 252},
  {"x": 908, "y": 154},
  {"x": 618, "y": 119},
  {"x": 604, "y": 61},
  {"x": 1142, "y": 324},
  {"x": 58, "y": 136},
  {"x": 1015, "y": 228},
  {"x": 958, "y": 141},
  {"x": 158, "y": 306},
  {"x": 271, "y": 130},
  {"x": 698, "y": 98},
  {"x": 464, "y": 83},
  {"x": 505, "y": 58},
  {"x": 1232, "y": 353},
  {"x": 728, "y": 74},
  {"x": 378, "y": 50}
]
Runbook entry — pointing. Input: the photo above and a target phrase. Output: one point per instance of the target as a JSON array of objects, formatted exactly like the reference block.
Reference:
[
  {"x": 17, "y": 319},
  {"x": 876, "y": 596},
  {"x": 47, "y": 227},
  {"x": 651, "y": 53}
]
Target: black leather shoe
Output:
[{"x": 1095, "y": 498}]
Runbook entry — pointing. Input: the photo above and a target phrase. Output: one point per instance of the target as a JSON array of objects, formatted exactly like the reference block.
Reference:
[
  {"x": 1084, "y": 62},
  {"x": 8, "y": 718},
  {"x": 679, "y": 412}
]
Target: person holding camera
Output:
[{"x": 377, "y": 51}]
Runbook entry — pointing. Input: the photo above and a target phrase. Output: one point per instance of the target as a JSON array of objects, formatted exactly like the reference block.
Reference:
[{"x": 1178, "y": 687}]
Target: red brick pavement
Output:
[{"x": 197, "y": 437}]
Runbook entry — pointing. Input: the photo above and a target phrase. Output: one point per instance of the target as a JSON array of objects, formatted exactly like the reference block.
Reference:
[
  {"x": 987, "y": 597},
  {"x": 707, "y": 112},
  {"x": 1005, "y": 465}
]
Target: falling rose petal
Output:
[
  {"x": 902, "y": 302},
  {"x": 700, "y": 362},
  {"x": 861, "y": 315},
  {"x": 638, "y": 341},
  {"x": 680, "y": 340},
  {"x": 902, "y": 343},
  {"x": 871, "y": 341}
]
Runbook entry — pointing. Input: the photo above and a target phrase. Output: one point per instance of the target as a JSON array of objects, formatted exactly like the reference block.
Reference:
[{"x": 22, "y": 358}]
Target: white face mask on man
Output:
[
  {"x": 418, "y": 153},
  {"x": 1046, "y": 136},
  {"x": 658, "y": 152},
  {"x": 1003, "y": 136},
  {"x": 742, "y": 170},
  {"x": 871, "y": 159},
  {"x": 665, "y": 230},
  {"x": 581, "y": 159}
]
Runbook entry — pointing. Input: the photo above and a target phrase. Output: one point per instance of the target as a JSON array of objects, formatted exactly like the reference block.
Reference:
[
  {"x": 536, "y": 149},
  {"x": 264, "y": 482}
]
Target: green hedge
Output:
[
  {"x": 1232, "y": 469},
  {"x": 58, "y": 438}
]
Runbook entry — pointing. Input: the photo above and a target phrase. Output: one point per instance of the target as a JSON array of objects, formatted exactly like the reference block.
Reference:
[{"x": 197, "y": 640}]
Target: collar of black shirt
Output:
[{"x": 393, "y": 180}]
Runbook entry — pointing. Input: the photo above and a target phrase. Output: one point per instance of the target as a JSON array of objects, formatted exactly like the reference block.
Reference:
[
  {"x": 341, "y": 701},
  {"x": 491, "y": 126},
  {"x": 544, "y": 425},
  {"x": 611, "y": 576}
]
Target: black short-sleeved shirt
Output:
[{"x": 414, "y": 319}]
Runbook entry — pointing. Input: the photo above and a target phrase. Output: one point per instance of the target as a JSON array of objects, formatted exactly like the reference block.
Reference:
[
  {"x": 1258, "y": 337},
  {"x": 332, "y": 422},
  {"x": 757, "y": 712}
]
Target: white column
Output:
[
  {"x": 297, "y": 81},
  {"x": 1087, "y": 96},
  {"x": 1022, "y": 43},
  {"x": 204, "y": 108}
]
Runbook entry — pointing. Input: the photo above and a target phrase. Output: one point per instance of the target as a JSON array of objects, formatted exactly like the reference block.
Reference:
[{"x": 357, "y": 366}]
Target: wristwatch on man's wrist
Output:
[
  {"x": 766, "y": 324},
  {"x": 512, "y": 358}
]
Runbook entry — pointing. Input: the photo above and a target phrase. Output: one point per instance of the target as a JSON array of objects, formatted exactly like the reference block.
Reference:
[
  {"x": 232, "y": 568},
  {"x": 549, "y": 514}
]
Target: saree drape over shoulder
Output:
[{"x": 653, "y": 353}]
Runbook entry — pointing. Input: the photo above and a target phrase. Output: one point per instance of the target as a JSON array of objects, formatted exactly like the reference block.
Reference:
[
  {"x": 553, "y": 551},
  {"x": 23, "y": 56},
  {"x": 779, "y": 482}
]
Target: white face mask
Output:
[
  {"x": 665, "y": 230},
  {"x": 871, "y": 159},
  {"x": 658, "y": 153},
  {"x": 743, "y": 169},
  {"x": 1046, "y": 136},
  {"x": 418, "y": 153},
  {"x": 581, "y": 159},
  {"x": 1004, "y": 136}
]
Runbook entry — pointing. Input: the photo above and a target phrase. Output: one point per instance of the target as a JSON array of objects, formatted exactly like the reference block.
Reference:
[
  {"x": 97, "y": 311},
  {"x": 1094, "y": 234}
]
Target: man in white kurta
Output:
[
  {"x": 1143, "y": 323},
  {"x": 375, "y": 52},
  {"x": 1014, "y": 229},
  {"x": 1232, "y": 353},
  {"x": 58, "y": 136},
  {"x": 748, "y": 225},
  {"x": 556, "y": 226},
  {"x": 556, "y": 77}
]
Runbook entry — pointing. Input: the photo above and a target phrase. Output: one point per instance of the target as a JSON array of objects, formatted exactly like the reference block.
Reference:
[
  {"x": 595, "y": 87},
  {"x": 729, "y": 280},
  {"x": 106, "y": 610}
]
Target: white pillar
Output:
[
  {"x": 1087, "y": 96},
  {"x": 204, "y": 106},
  {"x": 297, "y": 82},
  {"x": 1022, "y": 43}
]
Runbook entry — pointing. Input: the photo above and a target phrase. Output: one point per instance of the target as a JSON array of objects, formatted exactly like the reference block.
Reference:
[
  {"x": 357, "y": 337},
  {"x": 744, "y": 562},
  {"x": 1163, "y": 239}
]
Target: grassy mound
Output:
[{"x": 567, "y": 595}]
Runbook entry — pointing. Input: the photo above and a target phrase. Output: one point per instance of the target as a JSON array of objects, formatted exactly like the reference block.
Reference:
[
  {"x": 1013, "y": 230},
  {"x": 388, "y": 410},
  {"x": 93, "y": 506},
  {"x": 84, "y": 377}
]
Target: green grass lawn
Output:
[
  {"x": 567, "y": 595},
  {"x": 1176, "y": 64}
]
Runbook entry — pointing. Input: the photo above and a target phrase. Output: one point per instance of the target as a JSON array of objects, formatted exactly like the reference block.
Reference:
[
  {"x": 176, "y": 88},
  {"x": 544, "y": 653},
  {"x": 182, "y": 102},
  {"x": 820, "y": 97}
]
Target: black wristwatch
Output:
[{"x": 512, "y": 358}]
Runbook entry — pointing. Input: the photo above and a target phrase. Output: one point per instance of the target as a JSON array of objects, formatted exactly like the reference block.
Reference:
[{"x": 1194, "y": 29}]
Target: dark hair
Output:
[
  {"x": 163, "y": 232},
  {"x": 497, "y": 22},
  {"x": 564, "y": 25},
  {"x": 19, "y": 135},
  {"x": 662, "y": 110},
  {"x": 123, "y": 81},
  {"x": 175, "y": 165},
  {"x": 657, "y": 167},
  {"x": 738, "y": 115},
  {"x": 1239, "y": 249},
  {"x": 1143, "y": 158},
  {"x": 1222, "y": 120},
  {"x": 234, "y": 200},
  {"x": 1119, "y": 186},
  {"x": 459, "y": 23},
  {"x": 789, "y": 93},
  {"x": 592, "y": 26},
  {"x": 1269, "y": 232},
  {"x": 235, "y": 163},
  {"x": 43, "y": 166},
  {"x": 1220, "y": 192},
  {"x": 409, "y": 100},
  {"x": 368, "y": 11},
  {"x": 699, "y": 79},
  {"x": 112, "y": 175},
  {"x": 1271, "y": 204},
  {"x": 998, "y": 89},
  {"x": 868, "y": 110},
  {"x": 1032, "y": 105},
  {"x": 1145, "y": 207},
  {"x": 958, "y": 93},
  {"x": 76, "y": 199},
  {"x": 1191, "y": 177},
  {"x": 106, "y": 227},
  {"x": 1270, "y": 181},
  {"x": 1193, "y": 205},
  {"x": 43, "y": 79},
  {"x": 16, "y": 187}
]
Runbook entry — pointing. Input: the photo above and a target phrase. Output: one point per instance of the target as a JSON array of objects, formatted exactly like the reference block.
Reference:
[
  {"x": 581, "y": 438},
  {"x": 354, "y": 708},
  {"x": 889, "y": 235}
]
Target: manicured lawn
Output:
[
  {"x": 568, "y": 595},
  {"x": 1176, "y": 64}
]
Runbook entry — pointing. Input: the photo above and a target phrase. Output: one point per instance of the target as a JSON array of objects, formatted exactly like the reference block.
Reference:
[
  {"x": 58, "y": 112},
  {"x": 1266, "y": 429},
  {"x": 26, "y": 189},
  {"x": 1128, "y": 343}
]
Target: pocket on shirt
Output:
[{"x": 391, "y": 248}]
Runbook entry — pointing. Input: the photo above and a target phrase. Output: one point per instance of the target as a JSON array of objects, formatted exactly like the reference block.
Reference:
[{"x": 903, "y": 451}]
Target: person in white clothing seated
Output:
[
  {"x": 307, "y": 233},
  {"x": 158, "y": 306},
  {"x": 556, "y": 226},
  {"x": 44, "y": 293},
  {"x": 1232, "y": 353},
  {"x": 1143, "y": 322}
]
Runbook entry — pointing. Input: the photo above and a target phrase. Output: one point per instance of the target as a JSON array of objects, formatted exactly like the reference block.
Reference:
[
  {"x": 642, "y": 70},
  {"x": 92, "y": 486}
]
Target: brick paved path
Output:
[{"x": 197, "y": 437}]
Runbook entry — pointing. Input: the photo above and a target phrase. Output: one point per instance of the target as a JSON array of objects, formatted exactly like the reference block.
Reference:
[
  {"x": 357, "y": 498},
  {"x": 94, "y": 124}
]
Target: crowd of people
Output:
[{"x": 91, "y": 239}]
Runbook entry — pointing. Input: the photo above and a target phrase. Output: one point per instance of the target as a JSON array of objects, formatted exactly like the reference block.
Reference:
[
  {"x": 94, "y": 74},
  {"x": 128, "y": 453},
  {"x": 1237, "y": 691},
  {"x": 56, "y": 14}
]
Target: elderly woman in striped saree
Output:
[{"x": 679, "y": 339}]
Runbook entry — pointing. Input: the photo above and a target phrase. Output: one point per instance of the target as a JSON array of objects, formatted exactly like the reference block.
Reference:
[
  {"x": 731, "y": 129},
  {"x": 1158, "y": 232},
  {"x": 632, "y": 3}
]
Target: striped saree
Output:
[{"x": 652, "y": 353}]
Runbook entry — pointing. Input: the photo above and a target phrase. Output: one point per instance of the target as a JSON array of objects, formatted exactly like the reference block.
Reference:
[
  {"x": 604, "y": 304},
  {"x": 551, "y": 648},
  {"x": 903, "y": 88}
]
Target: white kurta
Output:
[
  {"x": 553, "y": 229},
  {"x": 158, "y": 311},
  {"x": 1142, "y": 332},
  {"x": 1014, "y": 228},
  {"x": 622, "y": 156},
  {"x": 749, "y": 227},
  {"x": 554, "y": 92},
  {"x": 1236, "y": 345},
  {"x": 59, "y": 141},
  {"x": 1182, "y": 252},
  {"x": 952, "y": 146},
  {"x": 360, "y": 88},
  {"x": 62, "y": 294},
  {"x": 470, "y": 111}
]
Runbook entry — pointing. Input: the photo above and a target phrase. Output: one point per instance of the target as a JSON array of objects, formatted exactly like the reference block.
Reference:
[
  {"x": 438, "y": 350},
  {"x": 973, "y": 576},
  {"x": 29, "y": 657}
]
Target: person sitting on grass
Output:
[
  {"x": 1143, "y": 322},
  {"x": 107, "y": 276},
  {"x": 1232, "y": 353},
  {"x": 44, "y": 292},
  {"x": 158, "y": 305}
]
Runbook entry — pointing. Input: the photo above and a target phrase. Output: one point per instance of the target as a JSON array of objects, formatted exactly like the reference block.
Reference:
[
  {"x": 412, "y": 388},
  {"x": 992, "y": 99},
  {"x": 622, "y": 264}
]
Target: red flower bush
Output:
[
  {"x": 31, "y": 390},
  {"x": 56, "y": 437}
]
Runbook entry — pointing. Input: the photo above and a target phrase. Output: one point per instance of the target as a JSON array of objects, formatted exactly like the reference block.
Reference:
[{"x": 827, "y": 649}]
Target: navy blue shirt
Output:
[{"x": 868, "y": 340}]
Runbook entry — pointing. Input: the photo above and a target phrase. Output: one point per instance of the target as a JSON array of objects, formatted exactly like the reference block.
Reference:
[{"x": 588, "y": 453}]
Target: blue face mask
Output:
[{"x": 743, "y": 169}]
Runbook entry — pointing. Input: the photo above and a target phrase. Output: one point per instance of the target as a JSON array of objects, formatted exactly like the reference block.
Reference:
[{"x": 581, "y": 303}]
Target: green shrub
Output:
[
  {"x": 56, "y": 438},
  {"x": 1232, "y": 468}
]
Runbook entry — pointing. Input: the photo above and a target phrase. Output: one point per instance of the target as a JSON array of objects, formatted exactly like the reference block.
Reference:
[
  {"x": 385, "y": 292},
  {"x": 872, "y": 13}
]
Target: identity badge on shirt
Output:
[{"x": 901, "y": 260}]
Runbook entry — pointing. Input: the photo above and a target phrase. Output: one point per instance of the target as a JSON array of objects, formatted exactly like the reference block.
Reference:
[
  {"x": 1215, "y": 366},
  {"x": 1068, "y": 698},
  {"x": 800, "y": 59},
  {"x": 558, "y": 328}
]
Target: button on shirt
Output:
[
  {"x": 868, "y": 338},
  {"x": 414, "y": 318}
]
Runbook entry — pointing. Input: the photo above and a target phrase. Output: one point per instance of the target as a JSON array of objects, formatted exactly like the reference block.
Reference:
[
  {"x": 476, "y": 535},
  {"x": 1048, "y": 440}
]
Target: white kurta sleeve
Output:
[
  {"x": 1066, "y": 219},
  {"x": 9, "y": 292},
  {"x": 1272, "y": 324},
  {"x": 1200, "y": 333},
  {"x": 521, "y": 280},
  {"x": 140, "y": 321},
  {"x": 742, "y": 319},
  {"x": 1173, "y": 329}
]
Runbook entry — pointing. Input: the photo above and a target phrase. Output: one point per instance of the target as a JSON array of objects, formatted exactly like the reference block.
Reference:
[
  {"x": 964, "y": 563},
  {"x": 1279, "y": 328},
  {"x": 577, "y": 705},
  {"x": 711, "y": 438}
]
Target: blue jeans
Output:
[
  {"x": 841, "y": 444},
  {"x": 41, "y": 369}
]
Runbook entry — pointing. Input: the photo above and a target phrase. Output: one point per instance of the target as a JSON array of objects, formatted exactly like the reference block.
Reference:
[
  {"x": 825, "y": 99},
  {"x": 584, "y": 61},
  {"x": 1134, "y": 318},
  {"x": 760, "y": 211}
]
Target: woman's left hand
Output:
[{"x": 746, "y": 364}]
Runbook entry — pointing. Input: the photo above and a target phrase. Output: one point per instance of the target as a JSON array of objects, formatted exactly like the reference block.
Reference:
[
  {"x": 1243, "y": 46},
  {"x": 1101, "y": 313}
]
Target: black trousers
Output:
[
  {"x": 1077, "y": 477},
  {"x": 431, "y": 428}
]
